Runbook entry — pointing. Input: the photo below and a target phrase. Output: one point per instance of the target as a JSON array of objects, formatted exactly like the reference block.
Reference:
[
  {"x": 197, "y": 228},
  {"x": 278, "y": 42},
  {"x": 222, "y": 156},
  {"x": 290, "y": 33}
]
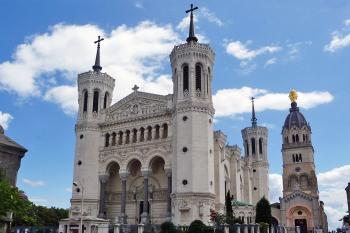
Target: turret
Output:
[
  {"x": 95, "y": 95},
  {"x": 193, "y": 151},
  {"x": 255, "y": 150}
]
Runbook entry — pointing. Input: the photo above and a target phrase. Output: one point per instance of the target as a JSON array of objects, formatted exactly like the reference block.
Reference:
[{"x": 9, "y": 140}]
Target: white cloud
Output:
[
  {"x": 331, "y": 187},
  {"x": 5, "y": 119},
  {"x": 33, "y": 183},
  {"x": 65, "y": 96},
  {"x": 184, "y": 24},
  {"x": 47, "y": 64},
  {"x": 275, "y": 187},
  {"x": 210, "y": 16},
  {"x": 138, "y": 4},
  {"x": 241, "y": 51},
  {"x": 340, "y": 39},
  {"x": 39, "y": 200},
  {"x": 270, "y": 62},
  {"x": 265, "y": 100}
]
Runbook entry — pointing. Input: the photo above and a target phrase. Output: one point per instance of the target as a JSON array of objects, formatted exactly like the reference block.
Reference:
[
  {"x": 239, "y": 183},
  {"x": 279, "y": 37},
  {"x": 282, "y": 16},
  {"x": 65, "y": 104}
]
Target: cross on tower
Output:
[
  {"x": 99, "y": 40},
  {"x": 135, "y": 88},
  {"x": 191, "y": 36},
  {"x": 97, "y": 67}
]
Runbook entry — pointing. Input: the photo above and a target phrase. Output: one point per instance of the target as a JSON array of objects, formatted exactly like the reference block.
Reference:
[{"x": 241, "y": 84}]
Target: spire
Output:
[
  {"x": 97, "y": 67},
  {"x": 191, "y": 36},
  {"x": 254, "y": 120}
]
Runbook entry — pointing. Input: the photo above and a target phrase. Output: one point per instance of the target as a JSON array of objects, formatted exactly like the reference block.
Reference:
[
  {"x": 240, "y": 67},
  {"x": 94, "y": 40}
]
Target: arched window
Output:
[
  {"x": 142, "y": 134},
  {"x": 149, "y": 133},
  {"x": 208, "y": 80},
  {"x": 105, "y": 100},
  {"x": 253, "y": 145},
  {"x": 134, "y": 135},
  {"x": 260, "y": 145},
  {"x": 165, "y": 131},
  {"x": 120, "y": 138},
  {"x": 107, "y": 140},
  {"x": 300, "y": 158},
  {"x": 185, "y": 78},
  {"x": 95, "y": 103},
  {"x": 198, "y": 78},
  {"x": 85, "y": 104},
  {"x": 297, "y": 138},
  {"x": 127, "y": 138},
  {"x": 293, "y": 137},
  {"x": 247, "y": 147},
  {"x": 157, "y": 135},
  {"x": 303, "y": 137},
  {"x": 286, "y": 140},
  {"x": 114, "y": 135},
  {"x": 293, "y": 158}
]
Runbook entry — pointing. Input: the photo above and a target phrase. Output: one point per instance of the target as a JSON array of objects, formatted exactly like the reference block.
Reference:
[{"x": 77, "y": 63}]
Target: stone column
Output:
[
  {"x": 102, "y": 210},
  {"x": 245, "y": 228},
  {"x": 238, "y": 226},
  {"x": 153, "y": 133},
  {"x": 116, "y": 228},
  {"x": 123, "y": 216},
  {"x": 226, "y": 228},
  {"x": 257, "y": 228},
  {"x": 161, "y": 131},
  {"x": 144, "y": 215},
  {"x": 138, "y": 135},
  {"x": 169, "y": 190}
]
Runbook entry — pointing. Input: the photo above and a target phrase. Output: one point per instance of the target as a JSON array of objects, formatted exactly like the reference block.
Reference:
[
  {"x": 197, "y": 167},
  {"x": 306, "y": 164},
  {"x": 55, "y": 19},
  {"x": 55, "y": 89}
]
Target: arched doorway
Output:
[
  {"x": 134, "y": 191},
  {"x": 300, "y": 216},
  {"x": 113, "y": 191}
]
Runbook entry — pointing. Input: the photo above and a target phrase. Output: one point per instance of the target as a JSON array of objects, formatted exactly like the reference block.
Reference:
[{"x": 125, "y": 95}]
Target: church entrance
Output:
[
  {"x": 302, "y": 224},
  {"x": 141, "y": 210}
]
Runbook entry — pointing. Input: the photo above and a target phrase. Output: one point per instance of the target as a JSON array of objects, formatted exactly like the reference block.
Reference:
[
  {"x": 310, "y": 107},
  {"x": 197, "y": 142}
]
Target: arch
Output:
[
  {"x": 96, "y": 97},
  {"x": 156, "y": 153},
  {"x": 260, "y": 145},
  {"x": 165, "y": 130},
  {"x": 247, "y": 147},
  {"x": 114, "y": 138},
  {"x": 127, "y": 137},
  {"x": 120, "y": 137},
  {"x": 299, "y": 212},
  {"x": 134, "y": 135},
  {"x": 253, "y": 145},
  {"x": 149, "y": 133},
  {"x": 112, "y": 167},
  {"x": 293, "y": 182},
  {"x": 293, "y": 137},
  {"x": 134, "y": 166},
  {"x": 297, "y": 138},
  {"x": 106, "y": 161},
  {"x": 85, "y": 100},
  {"x": 107, "y": 139},
  {"x": 304, "y": 181},
  {"x": 105, "y": 100},
  {"x": 157, "y": 134},
  {"x": 198, "y": 70},
  {"x": 142, "y": 134},
  {"x": 185, "y": 74},
  {"x": 155, "y": 163}
]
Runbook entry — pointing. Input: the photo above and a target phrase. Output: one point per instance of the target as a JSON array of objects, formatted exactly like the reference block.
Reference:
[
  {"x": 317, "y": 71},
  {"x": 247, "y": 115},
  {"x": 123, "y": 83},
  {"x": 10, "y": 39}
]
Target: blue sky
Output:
[{"x": 263, "y": 48}]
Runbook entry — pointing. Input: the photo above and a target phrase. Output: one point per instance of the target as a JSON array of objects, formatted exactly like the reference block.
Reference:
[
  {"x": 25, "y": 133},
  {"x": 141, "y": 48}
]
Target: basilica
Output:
[{"x": 152, "y": 158}]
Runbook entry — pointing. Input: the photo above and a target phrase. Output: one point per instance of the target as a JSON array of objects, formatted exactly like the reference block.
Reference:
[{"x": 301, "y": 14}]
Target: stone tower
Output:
[
  {"x": 95, "y": 94},
  {"x": 298, "y": 153},
  {"x": 255, "y": 147},
  {"x": 193, "y": 189}
]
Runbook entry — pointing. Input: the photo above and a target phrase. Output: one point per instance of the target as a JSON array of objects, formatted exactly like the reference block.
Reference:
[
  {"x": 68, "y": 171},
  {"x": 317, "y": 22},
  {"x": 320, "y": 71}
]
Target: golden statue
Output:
[{"x": 293, "y": 95}]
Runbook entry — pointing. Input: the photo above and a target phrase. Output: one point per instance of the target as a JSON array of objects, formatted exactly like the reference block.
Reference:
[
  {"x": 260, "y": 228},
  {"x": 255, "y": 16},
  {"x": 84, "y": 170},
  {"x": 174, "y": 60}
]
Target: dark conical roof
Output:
[{"x": 295, "y": 118}]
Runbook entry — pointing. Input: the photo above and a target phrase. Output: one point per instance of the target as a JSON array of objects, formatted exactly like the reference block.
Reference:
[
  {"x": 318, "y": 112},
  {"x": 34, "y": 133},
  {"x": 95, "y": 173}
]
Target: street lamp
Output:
[{"x": 81, "y": 206}]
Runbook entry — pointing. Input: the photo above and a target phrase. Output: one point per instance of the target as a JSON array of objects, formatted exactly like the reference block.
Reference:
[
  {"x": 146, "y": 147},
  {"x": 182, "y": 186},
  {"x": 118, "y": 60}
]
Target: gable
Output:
[{"x": 139, "y": 105}]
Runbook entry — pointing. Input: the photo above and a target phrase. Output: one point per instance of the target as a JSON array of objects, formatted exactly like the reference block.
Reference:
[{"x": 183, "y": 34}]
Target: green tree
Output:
[
  {"x": 228, "y": 205},
  {"x": 197, "y": 226},
  {"x": 263, "y": 211}
]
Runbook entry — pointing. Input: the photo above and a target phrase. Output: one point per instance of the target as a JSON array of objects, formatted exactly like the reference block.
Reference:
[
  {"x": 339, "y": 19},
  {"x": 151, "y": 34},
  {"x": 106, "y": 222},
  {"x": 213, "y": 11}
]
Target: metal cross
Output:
[
  {"x": 253, "y": 98},
  {"x": 99, "y": 40},
  {"x": 192, "y": 9}
]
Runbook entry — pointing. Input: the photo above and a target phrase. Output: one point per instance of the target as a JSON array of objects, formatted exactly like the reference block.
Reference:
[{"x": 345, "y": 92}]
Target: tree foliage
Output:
[
  {"x": 263, "y": 211},
  {"x": 228, "y": 205},
  {"x": 24, "y": 212}
]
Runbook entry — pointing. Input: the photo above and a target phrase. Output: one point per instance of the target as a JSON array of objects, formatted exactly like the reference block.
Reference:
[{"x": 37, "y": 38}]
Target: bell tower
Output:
[
  {"x": 95, "y": 95},
  {"x": 255, "y": 147},
  {"x": 298, "y": 153},
  {"x": 193, "y": 189}
]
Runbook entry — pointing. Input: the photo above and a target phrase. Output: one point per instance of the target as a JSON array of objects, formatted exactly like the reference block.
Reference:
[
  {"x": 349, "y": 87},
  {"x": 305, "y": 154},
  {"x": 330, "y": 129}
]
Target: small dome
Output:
[{"x": 295, "y": 118}]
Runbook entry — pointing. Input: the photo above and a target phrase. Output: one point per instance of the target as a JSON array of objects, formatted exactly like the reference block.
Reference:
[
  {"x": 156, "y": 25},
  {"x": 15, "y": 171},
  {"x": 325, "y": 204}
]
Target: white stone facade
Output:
[{"x": 153, "y": 158}]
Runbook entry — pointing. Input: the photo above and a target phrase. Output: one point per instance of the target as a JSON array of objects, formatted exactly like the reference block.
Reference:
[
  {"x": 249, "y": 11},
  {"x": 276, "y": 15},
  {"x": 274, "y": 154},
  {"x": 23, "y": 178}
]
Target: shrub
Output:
[
  {"x": 197, "y": 226},
  {"x": 167, "y": 227},
  {"x": 263, "y": 227}
]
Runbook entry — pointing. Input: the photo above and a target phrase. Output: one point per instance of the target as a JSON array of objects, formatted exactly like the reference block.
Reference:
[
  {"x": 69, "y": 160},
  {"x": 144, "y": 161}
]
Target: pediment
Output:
[
  {"x": 138, "y": 104},
  {"x": 298, "y": 195}
]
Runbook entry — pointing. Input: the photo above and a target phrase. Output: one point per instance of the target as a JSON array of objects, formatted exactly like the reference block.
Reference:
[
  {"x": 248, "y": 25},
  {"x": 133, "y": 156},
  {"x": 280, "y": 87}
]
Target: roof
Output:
[
  {"x": 9, "y": 143},
  {"x": 239, "y": 203},
  {"x": 295, "y": 118}
]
